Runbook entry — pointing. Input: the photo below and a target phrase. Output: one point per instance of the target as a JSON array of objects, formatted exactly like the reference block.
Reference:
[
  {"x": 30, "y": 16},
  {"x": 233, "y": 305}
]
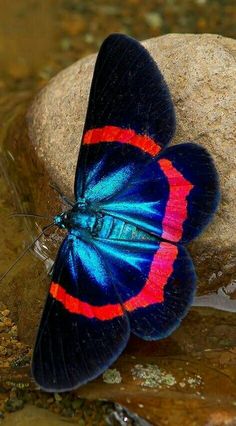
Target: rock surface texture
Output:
[{"x": 200, "y": 72}]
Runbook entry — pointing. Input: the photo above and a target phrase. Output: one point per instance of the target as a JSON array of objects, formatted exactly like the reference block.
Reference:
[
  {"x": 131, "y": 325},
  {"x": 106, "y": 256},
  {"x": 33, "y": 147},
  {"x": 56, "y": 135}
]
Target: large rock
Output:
[{"x": 200, "y": 72}]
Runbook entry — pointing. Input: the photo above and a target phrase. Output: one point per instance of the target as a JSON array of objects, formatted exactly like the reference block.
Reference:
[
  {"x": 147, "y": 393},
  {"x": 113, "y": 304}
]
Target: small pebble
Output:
[
  {"x": 57, "y": 397},
  {"x": 67, "y": 412},
  {"x": 3, "y": 350},
  {"x": 13, "y": 404},
  {"x": 152, "y": 376},
  {"x": 112, "y": 376},
  {"x": 77, "y": 404}
]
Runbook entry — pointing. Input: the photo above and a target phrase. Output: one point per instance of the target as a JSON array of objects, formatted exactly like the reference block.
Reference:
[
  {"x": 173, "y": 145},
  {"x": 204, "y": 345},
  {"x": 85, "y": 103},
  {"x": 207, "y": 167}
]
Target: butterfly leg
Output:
[{"x": 51, "y": 269}]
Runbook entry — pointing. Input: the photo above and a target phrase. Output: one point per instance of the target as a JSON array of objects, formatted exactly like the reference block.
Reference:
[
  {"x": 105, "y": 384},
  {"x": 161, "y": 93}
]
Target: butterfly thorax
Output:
[{"x": 73, "y": 219}]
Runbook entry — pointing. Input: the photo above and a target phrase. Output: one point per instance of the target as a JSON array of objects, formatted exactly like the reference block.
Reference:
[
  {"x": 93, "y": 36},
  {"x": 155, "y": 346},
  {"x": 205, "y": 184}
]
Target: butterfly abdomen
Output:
[
  {"x": 100, "y": 226},
  {"x": 109, "y": 227}
]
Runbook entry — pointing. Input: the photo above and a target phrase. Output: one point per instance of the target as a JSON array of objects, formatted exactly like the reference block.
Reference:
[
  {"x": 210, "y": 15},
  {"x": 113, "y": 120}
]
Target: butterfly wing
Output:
[
  {"x": 145, "y": 286},
  {"x": 155, "y": 282},
  {"x": 121, "y": 170},
  {"x": 129, "y": 106},
  {"x": 173, "y": 197},
  {"x": 193, "y": 191},
  {"x": 78, "y": 337}
]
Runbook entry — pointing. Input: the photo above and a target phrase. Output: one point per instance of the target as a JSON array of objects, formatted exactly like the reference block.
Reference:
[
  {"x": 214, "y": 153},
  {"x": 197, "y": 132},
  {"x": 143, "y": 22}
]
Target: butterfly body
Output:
[
  {"x": 76, "y": 220},
  {"x": 123, "y": 267},
  {"x": 99, "y": 225}
]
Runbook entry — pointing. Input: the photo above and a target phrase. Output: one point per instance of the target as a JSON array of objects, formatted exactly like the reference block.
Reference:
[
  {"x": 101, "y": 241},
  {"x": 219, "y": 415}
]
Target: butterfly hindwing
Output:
[
  {"x": 155, "y": 281},
  {"x": 193, "y": 194},
  {"x": 173, "y": 266},
  {"x": 78, "y": 337},
  {"x": 173, "y": 196}
]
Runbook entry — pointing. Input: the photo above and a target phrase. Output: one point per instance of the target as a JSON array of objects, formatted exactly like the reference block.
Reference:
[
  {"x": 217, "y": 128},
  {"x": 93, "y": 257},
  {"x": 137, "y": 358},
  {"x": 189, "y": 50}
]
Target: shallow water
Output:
[{"x": 189, "y": 377}]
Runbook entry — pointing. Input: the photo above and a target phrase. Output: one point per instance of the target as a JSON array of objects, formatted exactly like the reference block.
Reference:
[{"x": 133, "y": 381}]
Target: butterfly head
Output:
[{"x": 62, "y": 220}]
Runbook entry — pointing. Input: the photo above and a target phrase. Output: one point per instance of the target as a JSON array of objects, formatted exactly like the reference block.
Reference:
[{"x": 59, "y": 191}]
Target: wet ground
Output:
[{"x": 190, "y": 378}]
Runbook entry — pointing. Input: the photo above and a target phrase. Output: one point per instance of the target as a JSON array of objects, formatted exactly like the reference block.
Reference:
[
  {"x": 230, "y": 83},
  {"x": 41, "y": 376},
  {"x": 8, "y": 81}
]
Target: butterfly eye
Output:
[{"x": 65, "y": 216}]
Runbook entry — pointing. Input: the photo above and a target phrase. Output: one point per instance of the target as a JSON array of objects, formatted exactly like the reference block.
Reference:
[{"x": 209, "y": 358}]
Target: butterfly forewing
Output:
[
  {"x": 129, "y": 103},
  {"x": 78, "y": 337}
]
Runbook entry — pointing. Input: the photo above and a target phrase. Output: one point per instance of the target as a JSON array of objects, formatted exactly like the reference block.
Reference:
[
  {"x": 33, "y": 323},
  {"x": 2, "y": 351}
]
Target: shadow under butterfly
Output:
[{"x": 123, "y": 267}]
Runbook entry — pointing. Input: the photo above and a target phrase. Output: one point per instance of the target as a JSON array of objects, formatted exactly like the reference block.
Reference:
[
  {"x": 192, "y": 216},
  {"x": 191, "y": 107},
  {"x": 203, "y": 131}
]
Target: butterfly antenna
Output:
[
  {"x": 63, "y": 197},
  {"x": 26, "y": 249},
  {"x": 30, "y": 215}
]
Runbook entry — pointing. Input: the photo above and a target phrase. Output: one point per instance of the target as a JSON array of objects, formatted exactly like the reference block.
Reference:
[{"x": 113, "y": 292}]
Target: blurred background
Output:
[{"x": 40, "y": 37}]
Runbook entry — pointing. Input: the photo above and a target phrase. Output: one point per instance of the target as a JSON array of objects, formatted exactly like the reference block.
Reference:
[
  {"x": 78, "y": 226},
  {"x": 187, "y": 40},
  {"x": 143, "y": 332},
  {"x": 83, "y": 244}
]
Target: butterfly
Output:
[{"x": 123, "y": 267}]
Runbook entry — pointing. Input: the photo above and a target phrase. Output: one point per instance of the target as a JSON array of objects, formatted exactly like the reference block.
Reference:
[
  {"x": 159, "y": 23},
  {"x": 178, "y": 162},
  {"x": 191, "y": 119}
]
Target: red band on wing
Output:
[
  {"x": 152, "y": 292},
  {"x": 176, "y": 209},
  {"x": 117, "y": 134},
  {"x": 161, "y": 269},
  {"x": 76, "y": 306}
]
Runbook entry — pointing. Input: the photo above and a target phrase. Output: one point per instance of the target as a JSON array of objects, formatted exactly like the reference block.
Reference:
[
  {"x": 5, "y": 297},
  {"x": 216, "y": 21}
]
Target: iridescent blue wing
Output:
[
  {"x": 121, "y": 170},
  {"x": 129, "y": 106},
  {"x": 174, "y": 197},
  {"x": 155, "y": 282},
  {"x": 83, "y": 328}
]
